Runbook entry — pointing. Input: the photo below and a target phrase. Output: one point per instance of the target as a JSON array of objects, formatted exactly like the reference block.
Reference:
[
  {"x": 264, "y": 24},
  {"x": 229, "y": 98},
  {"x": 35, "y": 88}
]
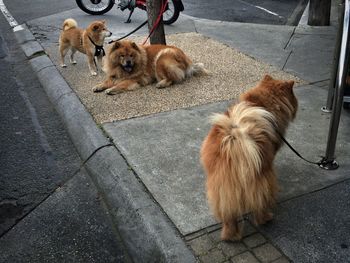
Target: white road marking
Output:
[
  {"x": 12, "y": 21},
  {"x": 18, "y": 28},
  {"x": 268, "y": 11},
  {"x": 261, "y": 8}
]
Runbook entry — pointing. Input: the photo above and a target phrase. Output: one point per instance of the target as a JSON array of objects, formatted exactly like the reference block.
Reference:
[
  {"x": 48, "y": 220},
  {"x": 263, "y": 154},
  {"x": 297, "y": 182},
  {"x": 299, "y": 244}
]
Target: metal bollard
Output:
[
  {"x": 332, "y": 84},
  {"x": 328, "y": 162}
]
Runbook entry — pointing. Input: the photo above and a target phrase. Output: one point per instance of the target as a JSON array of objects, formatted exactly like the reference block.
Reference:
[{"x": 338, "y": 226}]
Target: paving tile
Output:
[
  {"x": 282, "y": 260},
  {"x": 254, "y": 240},
  {"x": 215, "y": 236},
  {"x": 214, "y": 256},
  {"x": 246, "y": 257},
  {"x": 267, "y": 253},
  {"x": 231, "y": 249},
  {"x": 201, "y": 245},
  {"x": 248, "y": 229}
]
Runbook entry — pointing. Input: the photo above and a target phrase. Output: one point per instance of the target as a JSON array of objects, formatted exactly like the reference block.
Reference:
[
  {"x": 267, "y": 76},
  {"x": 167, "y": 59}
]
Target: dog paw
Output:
[
  {"x": 73, "y": 62},
  {"x": 113, "y": 91},
  {"x": 163, "y": 84},
  {"x": 93, "y": 73},
  {"x": 262, "y": 218},
  {"x": 63, "y": 65},
  {"x": 159, "y": 86},
  {"x": 110, "y": 92},
  {"x": 98, "y": 88}
]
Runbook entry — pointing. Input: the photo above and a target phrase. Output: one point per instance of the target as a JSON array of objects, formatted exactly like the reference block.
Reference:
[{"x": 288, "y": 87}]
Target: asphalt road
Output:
[
  {"x": 279, "y": 12},
  {"x": 252, "y": 11},
  {"x": 36, "y": 154},
  {"x": 24, "y": 11},
  {"x": 50, "y": 210}
]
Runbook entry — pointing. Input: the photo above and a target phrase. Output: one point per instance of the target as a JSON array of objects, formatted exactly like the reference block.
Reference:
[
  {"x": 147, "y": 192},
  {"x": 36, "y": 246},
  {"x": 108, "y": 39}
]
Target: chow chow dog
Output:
[
  {"x": 130, "y": 66},
  {"x": 238, "y": 154},
  {"x": 88, "y": 41}
]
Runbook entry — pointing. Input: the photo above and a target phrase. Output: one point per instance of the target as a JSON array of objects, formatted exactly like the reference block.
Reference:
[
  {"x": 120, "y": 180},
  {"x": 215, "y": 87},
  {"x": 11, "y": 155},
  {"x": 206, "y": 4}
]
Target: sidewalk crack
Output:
[
  {"x": 285, "y": 63},
  {"x": 290, "y": 38}
]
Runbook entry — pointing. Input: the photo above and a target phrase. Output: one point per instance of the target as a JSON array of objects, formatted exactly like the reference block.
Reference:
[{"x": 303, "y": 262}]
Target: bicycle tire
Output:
[
  {"x": 104, "y": 9},
  {"x": 175, "y": 14}
]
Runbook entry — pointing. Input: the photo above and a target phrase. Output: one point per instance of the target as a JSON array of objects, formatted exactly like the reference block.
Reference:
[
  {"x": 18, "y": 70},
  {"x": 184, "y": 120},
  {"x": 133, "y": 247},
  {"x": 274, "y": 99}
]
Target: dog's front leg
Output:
[
  {"x": 99, "y": 63},
  {"x": 125, "y": 85},
  {"x": 92, "y": 66},
  {"x": 108, "y": 83}
]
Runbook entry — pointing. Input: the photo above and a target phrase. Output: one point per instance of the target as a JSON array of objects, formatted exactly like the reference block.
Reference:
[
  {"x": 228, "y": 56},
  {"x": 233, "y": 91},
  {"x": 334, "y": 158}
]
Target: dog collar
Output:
[{"x": 98, "y": 49}]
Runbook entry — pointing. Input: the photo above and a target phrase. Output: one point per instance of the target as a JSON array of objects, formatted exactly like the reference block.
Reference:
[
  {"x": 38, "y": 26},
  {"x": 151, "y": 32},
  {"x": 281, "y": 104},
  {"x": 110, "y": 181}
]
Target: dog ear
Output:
[
  {"x": 103, "y": 22},
  {"x": 116, "y": 45},
  {"x": 267, "y": 78},
  {"x": 134, "y": 45},
  {"x": 289, "y": 84}
]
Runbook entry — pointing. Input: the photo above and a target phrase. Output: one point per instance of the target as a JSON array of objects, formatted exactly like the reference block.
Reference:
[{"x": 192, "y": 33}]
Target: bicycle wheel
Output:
[
  {"x": 95, "y": 7},
  {"x": 171, "y": 14}
]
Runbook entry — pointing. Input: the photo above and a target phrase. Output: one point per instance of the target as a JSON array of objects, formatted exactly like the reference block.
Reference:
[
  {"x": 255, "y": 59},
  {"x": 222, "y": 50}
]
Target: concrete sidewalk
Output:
[{"x": 148, "y": 167}]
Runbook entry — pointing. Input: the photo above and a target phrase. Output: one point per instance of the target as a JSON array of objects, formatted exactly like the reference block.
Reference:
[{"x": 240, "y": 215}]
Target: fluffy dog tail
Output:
[
  {"x": 195, "y": 69},
  {"x": 242, "y": 128},
  {"x": 69, "y": 23},
  {"x": 233, "y": 158}
]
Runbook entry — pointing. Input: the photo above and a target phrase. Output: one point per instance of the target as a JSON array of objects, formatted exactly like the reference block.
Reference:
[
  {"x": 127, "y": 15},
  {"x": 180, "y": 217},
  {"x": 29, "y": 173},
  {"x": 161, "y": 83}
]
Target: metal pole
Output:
[
  {"x": 332, "y": 83},
  {"x": 328, "y": 162}
]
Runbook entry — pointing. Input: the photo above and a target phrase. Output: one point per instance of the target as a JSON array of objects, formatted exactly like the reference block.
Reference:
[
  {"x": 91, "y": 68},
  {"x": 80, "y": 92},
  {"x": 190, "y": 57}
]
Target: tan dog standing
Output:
[{"x": 89, "y": 42}]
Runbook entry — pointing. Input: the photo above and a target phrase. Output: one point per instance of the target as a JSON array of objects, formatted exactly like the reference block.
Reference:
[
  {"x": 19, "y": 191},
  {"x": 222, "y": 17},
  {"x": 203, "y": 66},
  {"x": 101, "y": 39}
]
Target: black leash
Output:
[
  {"x": 137, "y": 28},
  {"x": 295, "y": 151}
]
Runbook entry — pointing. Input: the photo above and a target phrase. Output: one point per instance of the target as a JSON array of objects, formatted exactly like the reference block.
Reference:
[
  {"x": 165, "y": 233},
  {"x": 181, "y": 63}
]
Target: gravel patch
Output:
[{"x": 232, "y": 73}]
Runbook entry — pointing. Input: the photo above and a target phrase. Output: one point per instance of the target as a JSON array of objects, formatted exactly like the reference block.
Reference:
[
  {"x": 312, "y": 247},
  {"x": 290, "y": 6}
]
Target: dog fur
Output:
[
  {"x": 130, "y": 66},
  {"x": 238, "y": 154},
  {"x": 77, "y": 39}
]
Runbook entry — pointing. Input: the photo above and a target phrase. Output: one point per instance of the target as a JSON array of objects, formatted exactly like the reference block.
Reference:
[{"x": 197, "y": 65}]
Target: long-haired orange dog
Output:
[
  {"x": 130, "y": 66},
  {"x": 239, "y": 151}
]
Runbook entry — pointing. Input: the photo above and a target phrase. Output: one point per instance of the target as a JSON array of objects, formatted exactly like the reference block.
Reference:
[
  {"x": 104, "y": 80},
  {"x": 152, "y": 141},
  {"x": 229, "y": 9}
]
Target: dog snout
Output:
[
  {"x": 129, "y": 62},
  {"x": 107, "y": 33}
]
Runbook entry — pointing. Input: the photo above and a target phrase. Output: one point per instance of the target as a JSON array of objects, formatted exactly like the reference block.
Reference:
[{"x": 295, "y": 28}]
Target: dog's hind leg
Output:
[
  {"x": 63, "y": 52},
  {"x": 169, "y": 74},
  {"x": 262, "y": 217},
  {"x": 231, "y": 230},
  {"x": 263, "y": 214},
  {"x": 163, "y": 83},
  {"x": 72, "y": 61},
  {"x": 169, "y": 70}
]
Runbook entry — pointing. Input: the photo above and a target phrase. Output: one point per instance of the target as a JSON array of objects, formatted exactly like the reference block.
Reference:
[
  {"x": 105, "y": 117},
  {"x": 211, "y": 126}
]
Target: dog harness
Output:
[{"x": 98, "y": 49}]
